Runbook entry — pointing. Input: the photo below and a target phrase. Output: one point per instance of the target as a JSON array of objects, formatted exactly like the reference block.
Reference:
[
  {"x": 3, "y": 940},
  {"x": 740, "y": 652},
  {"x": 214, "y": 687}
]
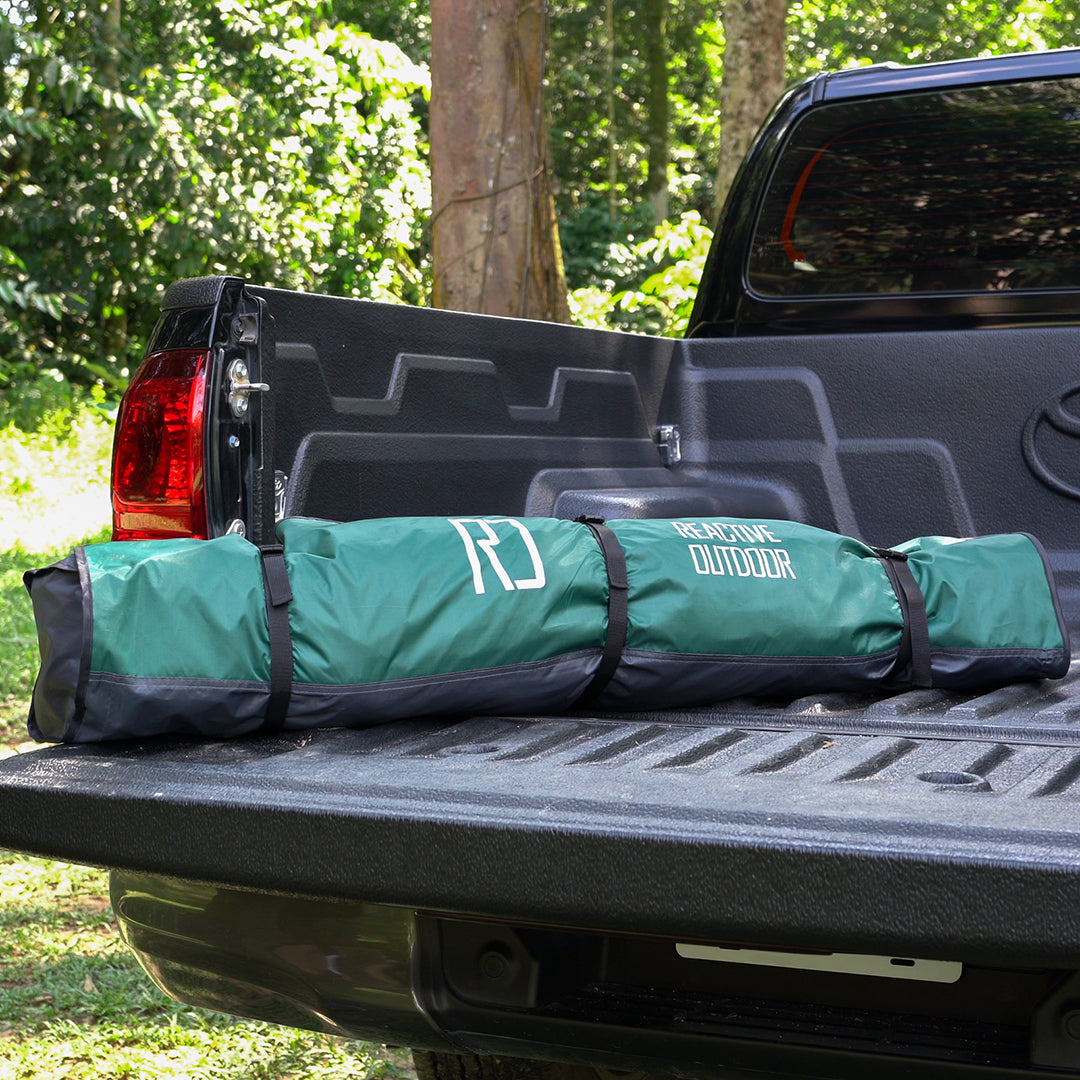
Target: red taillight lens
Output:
[{"x": 157, "y": 469}]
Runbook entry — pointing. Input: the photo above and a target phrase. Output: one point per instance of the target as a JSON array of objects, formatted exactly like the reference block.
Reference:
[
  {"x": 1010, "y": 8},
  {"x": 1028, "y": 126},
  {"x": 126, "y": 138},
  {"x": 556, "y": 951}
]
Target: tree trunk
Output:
[
  {"x": 754, "y": 36},
  {"x": 110, "y": 27},
  {"x": 656, "y": 182},
  {"x": 495, "y": 239}
]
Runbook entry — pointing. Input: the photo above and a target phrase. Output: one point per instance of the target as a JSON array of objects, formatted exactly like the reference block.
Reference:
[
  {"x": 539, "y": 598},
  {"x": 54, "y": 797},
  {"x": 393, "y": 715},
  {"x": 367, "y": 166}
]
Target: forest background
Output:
[
  {"x": 289, "y": 143},
  {"x": 292, "y": 144}
]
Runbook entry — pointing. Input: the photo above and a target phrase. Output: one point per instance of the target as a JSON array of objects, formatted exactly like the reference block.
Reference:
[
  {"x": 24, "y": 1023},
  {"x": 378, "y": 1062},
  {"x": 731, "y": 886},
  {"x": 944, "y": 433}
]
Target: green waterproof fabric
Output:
[
  {"x": 971, "y": 604},
  {"x": 401, "y": 617},
  {"x": 755, "y": 588},
  {"x": 406, "y": 598},
  {"x": 378, "y": 600},
  {"x": 163, "y": 608}
]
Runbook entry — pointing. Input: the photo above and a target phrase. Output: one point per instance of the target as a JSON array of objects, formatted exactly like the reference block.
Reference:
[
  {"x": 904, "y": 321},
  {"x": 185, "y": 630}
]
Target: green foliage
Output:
[
  {"x": 678, "y": 251},
  {"x": 594, "y": 244},
  {"x": 828, "y": 34},
  {"x": 668, "y": 266},
  {"x": 580, "y": 128},
  {"x": 207, "y": 138},
  {"x": 18, "y": 642},
  {"x": 54, "y": 493}
]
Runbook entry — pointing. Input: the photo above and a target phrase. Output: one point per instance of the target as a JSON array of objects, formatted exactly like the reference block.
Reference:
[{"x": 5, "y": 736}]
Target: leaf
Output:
[
  {"x": 49, "y": 304},
  {"x": 69, "y": 95},
  {"x": 7, "y": 41}
]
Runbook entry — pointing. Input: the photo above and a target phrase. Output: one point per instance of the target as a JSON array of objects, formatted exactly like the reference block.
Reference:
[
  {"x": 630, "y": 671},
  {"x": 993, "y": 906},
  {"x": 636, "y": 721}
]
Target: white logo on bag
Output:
[
  {"x": 487, "y": 545},
  {"x": 733, "y": 557}
]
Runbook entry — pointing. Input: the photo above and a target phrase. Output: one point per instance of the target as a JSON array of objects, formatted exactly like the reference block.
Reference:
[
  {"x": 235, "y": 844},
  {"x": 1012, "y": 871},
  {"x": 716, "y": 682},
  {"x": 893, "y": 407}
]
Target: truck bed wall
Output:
[{"x": 385, "y": 411}]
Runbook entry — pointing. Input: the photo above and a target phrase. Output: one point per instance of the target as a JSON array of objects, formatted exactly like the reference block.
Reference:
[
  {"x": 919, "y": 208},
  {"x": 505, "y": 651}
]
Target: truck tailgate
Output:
[{"x": 926, "y": 823}]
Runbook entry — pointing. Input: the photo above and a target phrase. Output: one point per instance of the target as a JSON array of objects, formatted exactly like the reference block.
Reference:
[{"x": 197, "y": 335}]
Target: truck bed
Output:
[{"x": 523, "y": 885}]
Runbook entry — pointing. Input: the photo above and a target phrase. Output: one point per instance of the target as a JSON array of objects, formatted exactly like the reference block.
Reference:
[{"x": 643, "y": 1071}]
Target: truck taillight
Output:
[{"x": 157, "y": 468}]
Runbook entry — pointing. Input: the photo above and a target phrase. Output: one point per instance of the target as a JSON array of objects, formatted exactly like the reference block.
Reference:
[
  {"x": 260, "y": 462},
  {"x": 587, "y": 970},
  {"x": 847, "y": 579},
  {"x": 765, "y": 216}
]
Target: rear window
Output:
[{"x": 956, "y": 191}]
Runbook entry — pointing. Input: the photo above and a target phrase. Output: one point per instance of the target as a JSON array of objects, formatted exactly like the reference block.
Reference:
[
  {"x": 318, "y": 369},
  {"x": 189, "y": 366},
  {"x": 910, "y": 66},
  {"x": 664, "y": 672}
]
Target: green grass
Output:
[
  {"x": 54, "y": 493},
  {"x": 74, "y": 1003}
]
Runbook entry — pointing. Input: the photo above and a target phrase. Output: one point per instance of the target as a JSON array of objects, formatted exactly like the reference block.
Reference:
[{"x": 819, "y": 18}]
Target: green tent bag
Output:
[{"x": 368, "y": 621}]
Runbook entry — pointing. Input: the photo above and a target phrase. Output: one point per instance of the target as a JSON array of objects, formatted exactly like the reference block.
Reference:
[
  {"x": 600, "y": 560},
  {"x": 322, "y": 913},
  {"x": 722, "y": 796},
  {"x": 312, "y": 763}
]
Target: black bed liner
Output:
[{"x": 938, "y": 825}]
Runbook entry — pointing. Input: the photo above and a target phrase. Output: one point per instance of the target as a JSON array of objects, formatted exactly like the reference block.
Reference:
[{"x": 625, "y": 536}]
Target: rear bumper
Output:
[{"x": 616, "y": 1001}]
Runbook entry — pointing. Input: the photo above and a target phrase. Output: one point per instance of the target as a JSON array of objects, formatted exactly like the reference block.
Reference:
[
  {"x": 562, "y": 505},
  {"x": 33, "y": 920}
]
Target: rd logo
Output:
[{"x": 487, "y": 544}]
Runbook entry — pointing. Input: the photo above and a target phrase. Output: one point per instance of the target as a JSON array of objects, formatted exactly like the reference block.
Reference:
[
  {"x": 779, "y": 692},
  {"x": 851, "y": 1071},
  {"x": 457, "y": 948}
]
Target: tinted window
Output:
[{"x": 957, "y": 191}]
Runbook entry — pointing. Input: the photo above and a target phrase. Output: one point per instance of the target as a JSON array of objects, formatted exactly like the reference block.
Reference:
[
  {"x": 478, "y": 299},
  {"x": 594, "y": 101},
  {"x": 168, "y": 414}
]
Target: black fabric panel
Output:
[
  {"x": 123, "y": 707},
  {"x": 126, "y": 707},
  {"x": 978, "y": 670},
  {"x": 644, "y": 679},
  {"x": 1063, "y": 625},
  {"x": 59, "y": 604}
]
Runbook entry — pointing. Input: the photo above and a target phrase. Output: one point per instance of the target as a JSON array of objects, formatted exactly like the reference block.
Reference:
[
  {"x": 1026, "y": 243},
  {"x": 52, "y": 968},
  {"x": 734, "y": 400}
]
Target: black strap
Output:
[
  {"x": 914, "y": 655},
  {"x": 617, "y": 610},
  {"x": 278, "y": 596}
]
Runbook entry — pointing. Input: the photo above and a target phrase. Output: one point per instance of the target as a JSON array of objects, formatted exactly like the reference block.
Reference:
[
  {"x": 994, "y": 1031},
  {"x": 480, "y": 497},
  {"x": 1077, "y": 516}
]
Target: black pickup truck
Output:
[{"x": 886, "y": 344}]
